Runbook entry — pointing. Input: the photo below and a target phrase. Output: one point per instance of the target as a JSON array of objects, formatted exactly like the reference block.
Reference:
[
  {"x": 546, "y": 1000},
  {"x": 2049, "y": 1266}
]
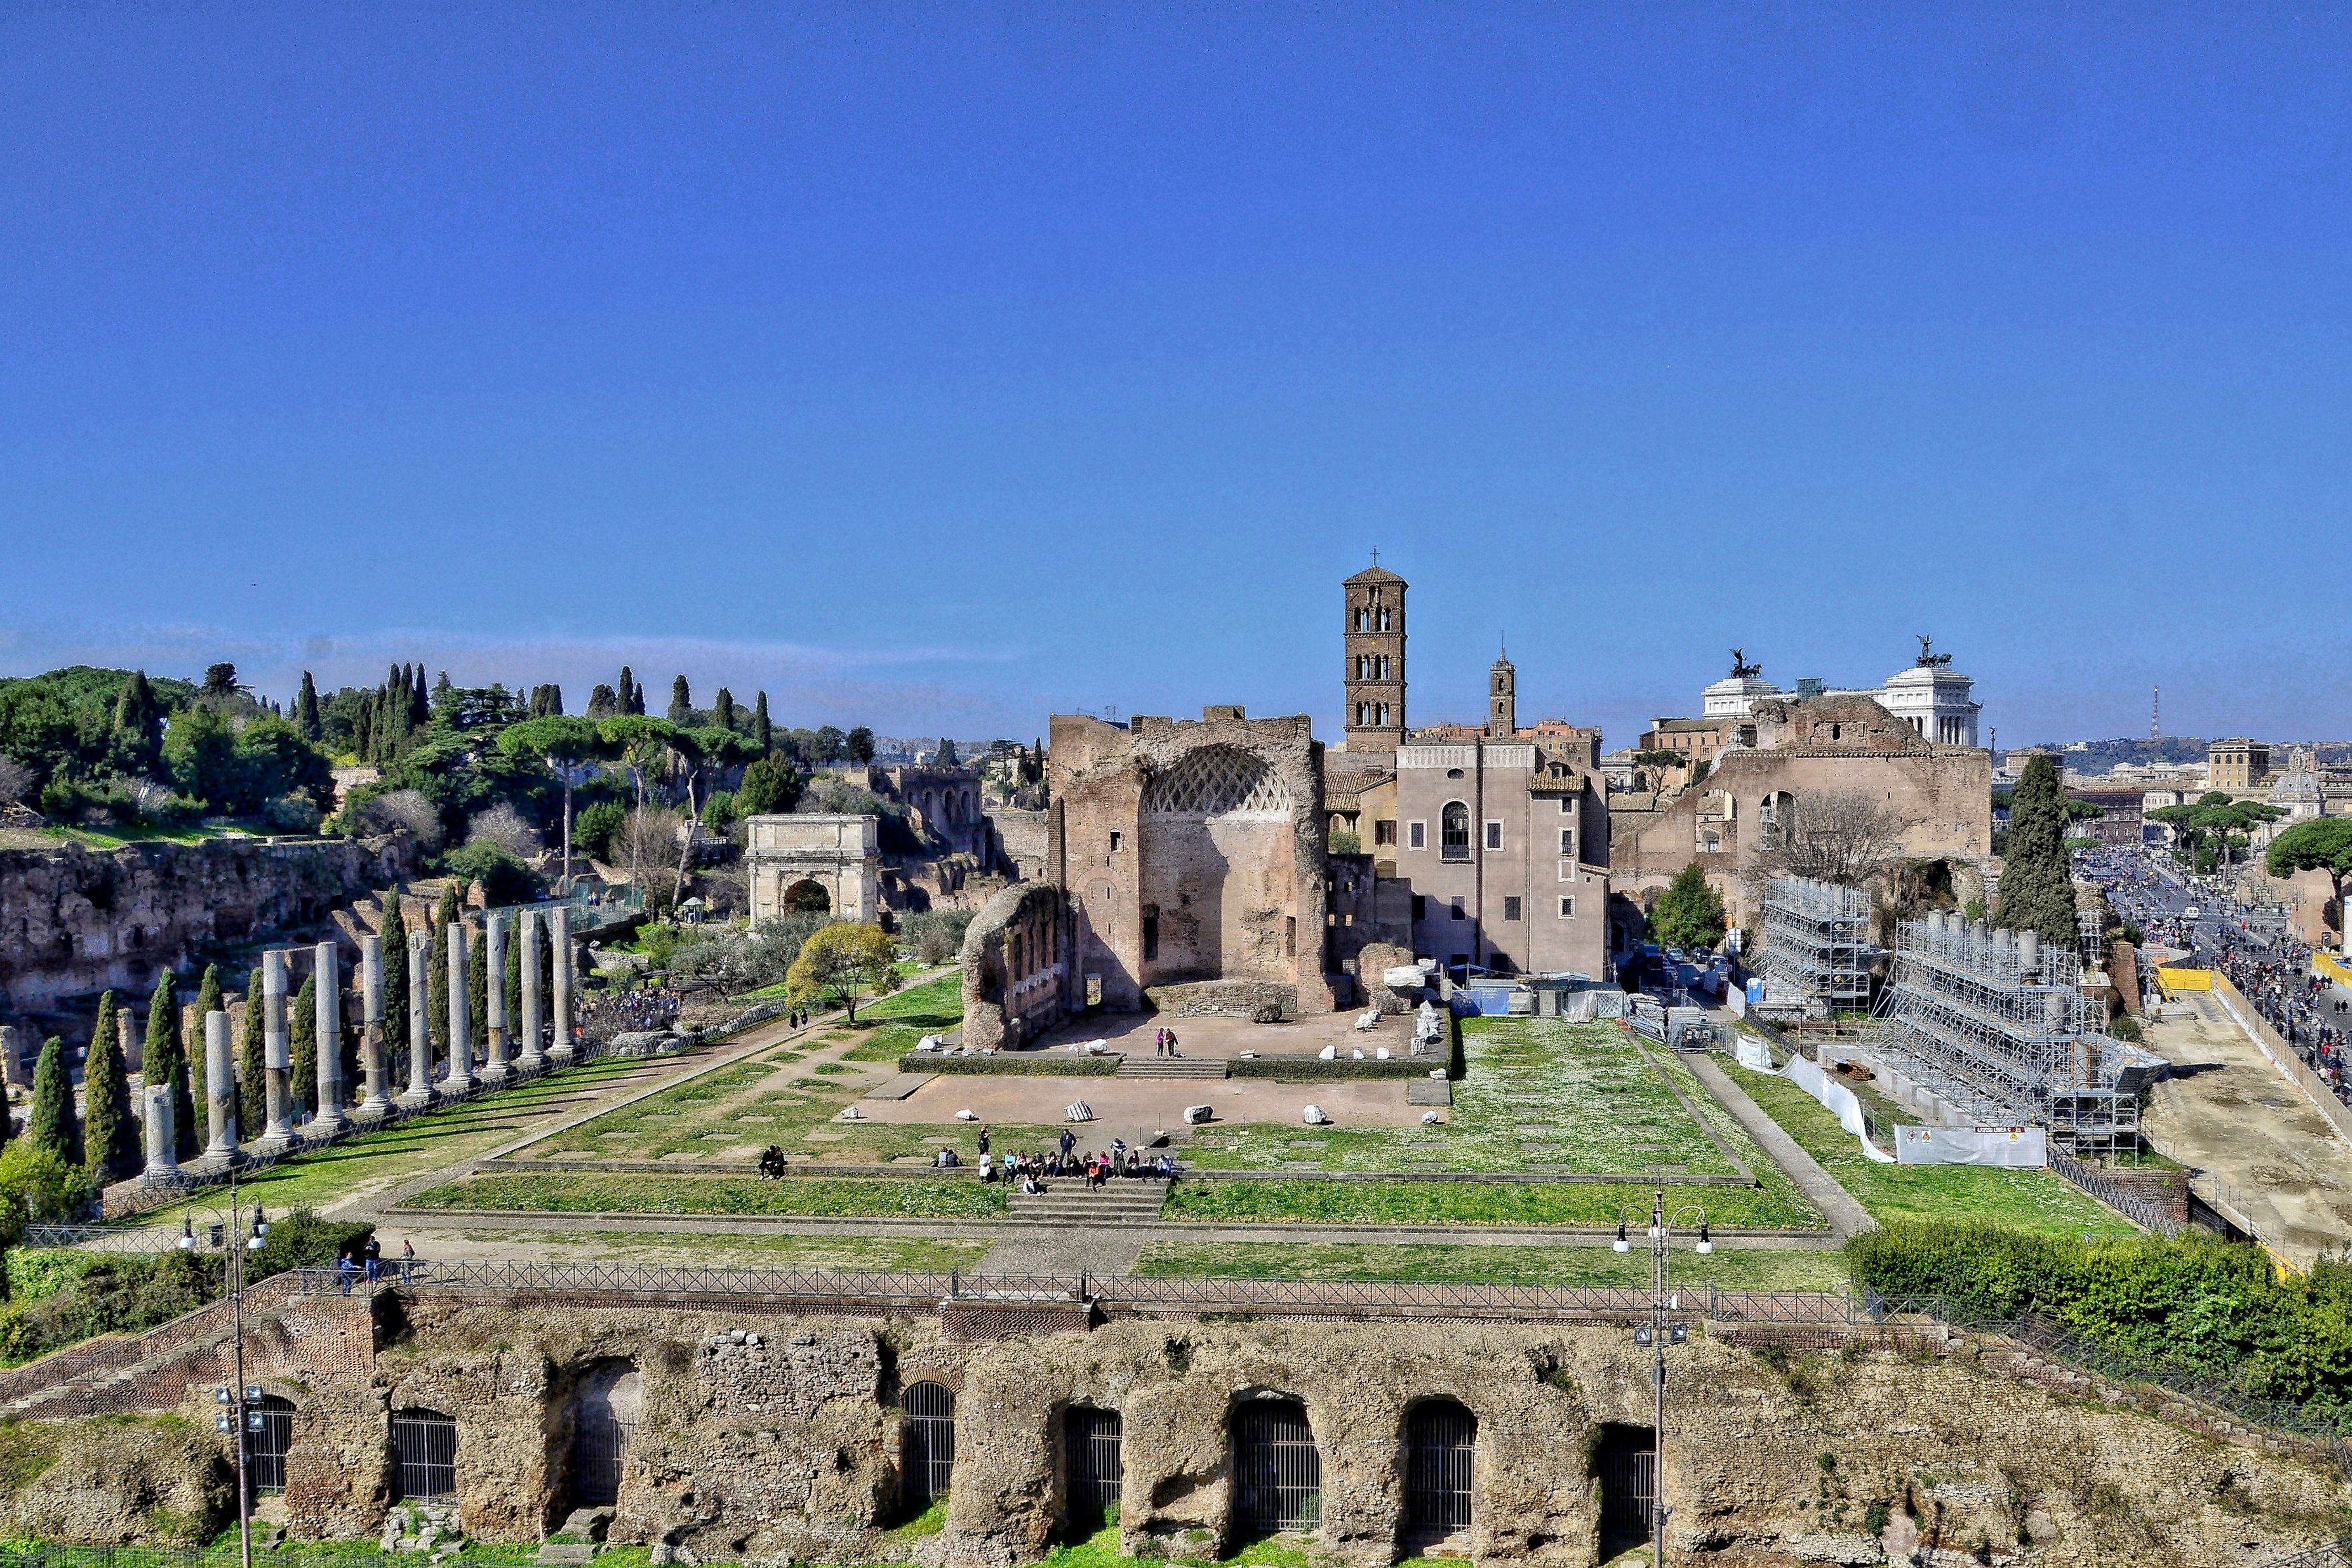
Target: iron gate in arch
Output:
[
  {"x": 926, "y": 1444},
  {"x": 266, "y": 1445},
  {"x": 600, "y": 1447},
  {"x": 1277, "y": 1474},
  {"x": 1091, "y": 1445},
  {"x": 1626, "y": 1464},
  {"x": 1440, "y": 1441},
  {"x": 425, "y": 1444}
]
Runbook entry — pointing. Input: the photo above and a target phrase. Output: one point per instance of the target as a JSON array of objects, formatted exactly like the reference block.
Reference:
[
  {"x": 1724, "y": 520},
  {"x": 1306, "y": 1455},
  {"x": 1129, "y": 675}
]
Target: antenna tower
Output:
[{"x": 2156, "y": 713}]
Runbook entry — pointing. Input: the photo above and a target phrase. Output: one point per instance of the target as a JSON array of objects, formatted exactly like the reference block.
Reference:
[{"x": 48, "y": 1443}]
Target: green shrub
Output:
[
  {"x": 1041, "y": 1066},
  {"x": 2196, "y": 1304}
]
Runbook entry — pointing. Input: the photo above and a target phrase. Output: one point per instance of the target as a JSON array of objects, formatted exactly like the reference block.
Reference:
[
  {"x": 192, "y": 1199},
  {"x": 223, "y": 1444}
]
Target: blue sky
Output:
[{"x": 940, "y": 367}]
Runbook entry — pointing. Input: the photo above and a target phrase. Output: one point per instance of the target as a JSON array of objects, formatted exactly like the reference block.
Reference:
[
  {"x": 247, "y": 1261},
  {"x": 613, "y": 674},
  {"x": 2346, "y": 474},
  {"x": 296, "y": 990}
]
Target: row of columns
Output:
[{"x": 331, "y": 1116}]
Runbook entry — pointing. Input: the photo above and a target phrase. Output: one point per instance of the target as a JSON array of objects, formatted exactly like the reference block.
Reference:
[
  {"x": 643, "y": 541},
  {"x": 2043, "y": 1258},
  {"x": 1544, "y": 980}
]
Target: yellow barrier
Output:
[
  {"x": 2334, "y": 968},
  {"x": 2185, "y": 980}
]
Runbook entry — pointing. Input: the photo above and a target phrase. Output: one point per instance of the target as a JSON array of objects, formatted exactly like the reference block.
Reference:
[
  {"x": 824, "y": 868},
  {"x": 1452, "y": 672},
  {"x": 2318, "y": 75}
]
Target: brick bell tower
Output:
[{"x": 1375, "y": 659}]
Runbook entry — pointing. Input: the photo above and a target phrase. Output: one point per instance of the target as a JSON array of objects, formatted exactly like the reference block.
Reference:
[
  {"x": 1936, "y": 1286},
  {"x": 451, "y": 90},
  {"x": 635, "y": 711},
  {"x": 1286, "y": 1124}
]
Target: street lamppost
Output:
[
  {"x": 1654, "y": 1335},
  {"x": 240, "y": 1401}
]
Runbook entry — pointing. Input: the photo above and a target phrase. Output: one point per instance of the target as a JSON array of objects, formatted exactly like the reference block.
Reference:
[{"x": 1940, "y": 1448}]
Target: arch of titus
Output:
[{"x": 841, "y": 857}]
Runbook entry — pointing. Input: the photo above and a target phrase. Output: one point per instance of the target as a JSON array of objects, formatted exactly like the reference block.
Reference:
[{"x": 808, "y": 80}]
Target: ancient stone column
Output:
[
  {"x": 378, "y": 1099},
  {"x": 560, "y": 932},
  {"x": 162, "y": 1137},
  {"x": 220, "y": 1086},
  {"x": 534, "y": 1054},
  {"x": 494, "y": 979},
  {"x": 12, "y": 1058},
  {"x": 127, "y": 1034},
  {"x": 275, "y": 1049},
  {"x": 420, "y": 1032},
  {"x": 329, "y": 972},
  {"x": 461, "y": 1017}
]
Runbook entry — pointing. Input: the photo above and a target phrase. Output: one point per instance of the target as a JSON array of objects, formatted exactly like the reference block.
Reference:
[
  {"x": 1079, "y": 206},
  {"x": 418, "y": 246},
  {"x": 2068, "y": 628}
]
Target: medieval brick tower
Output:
[
  {"x": 1503, "y": 700},
  {"x": 1375, "y": 670}
]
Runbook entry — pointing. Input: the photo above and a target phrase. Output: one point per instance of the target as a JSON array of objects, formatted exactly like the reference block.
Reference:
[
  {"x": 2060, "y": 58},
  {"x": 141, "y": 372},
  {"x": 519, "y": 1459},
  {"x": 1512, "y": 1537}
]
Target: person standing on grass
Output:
[{"x": 984, "y": 1146}]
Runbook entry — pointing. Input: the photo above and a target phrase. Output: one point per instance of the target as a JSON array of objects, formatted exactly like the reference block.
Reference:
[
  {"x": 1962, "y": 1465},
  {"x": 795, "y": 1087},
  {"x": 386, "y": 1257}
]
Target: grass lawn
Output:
[
  {"x": 1310, "y": 1202},
  {"x": 888, "y": 1029},
  {"x": 833, "y": 1254},
  {"x": 424, "y": 1143},
  {"x": 577, "y": 1194},
  {"x": 1101, "y": 1550},
  {"x": 1732, "y": 1269},
  {"x": 1536, "y": 1093},
  {"x": 2034, "y": 1200}
]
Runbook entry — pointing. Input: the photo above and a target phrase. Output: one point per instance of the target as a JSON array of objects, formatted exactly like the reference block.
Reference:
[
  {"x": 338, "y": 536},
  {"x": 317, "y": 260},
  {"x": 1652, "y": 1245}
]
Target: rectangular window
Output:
[
  {"x": 1117, "y": 839},
  {"x": 1417, "y": 835},
  {"x": 1150, "y": 937},
  {"x": 1459, "y": 913},
  {"x": 1420, "y": 906},
  {"x": 1567, "y": 842},
  {"x": 1384, "y": 833},
  {"x": 1567, "y": 804},
  {"x": 1494, "y": 835},
  {"x": 1568, "y": 908},
  {"x": 1511, "y": 908}
]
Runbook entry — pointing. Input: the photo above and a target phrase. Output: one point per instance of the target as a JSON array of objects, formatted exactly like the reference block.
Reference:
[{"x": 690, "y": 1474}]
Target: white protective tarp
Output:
[
  {"x": 1839, "y": 1099},
  {"x": 2016, "y": 1148},
  {"x": 1753, "y": 1054}
]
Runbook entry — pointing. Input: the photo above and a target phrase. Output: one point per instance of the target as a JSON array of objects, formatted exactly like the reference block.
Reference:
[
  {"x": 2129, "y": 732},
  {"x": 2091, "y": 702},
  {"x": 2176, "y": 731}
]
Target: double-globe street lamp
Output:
[
  {"x": 1655, "y": 1334},
  {"x": 240, "y": 1402}
]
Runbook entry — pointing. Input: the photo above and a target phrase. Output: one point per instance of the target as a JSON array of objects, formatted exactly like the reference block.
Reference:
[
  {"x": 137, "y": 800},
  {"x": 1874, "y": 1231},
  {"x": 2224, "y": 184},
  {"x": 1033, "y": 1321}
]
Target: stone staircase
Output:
[
  {"x": 1171, "y": 1067},
  {"x": 1066, "y": 1201}
]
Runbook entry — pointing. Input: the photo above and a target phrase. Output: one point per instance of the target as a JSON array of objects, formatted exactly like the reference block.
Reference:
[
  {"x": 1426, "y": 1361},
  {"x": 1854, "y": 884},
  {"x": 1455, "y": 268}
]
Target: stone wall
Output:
[
  {"x": 1016, "y": 966},
  {"x": 73, "y": 923},
  {"x": 770, "y": 1436}
]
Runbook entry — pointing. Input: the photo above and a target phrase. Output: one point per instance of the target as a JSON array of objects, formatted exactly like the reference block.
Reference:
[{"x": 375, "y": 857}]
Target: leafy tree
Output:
[
  {"x": 220, "y": 682},
  {"x": 138, "y": 727},
  {"x": 763, "y": 734},
  {"x": 826, "y": 745},
  {"x": 306, "y": 712},
  {"x": 681, "y": 706},
  {"x": 200, "y": 1064},
  {"x": 163, "y": 1035},
  {"x": 253, "y": 1056},
  {"x": 2323, "y": 844},
  {"x": 603, "y": 702},
  {"x": 596, "y": 827},
  {"x": 561, "y": 745},
  {"x": 770, "y": 786},
  {"x": 39, "y": 1187},
  {"x": 720, "y": 813},
  {"x": 111, "y": 1131},
  {"x": 1689, "y": 914},
  {"x": 302, "y": 1087},
  {"x": 53, "y": 1128},
  {"x": 860, "y": 743},
  {"x": 947, "y": 756},
  {"x": 843, "y": 962},
  {"x": 723, "y": 709},
  {"x": 643, "y": 745},
  {"x": 2037, "y": 879}
]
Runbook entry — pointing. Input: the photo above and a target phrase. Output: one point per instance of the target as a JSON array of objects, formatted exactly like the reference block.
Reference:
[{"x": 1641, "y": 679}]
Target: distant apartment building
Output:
[{"x": 2239, "y": 764}]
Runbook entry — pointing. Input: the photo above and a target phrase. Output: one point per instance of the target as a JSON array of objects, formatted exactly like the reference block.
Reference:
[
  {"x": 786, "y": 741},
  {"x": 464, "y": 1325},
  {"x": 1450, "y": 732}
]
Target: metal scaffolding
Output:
[
  {"x": 1994, "y": 1022},
  {"x": 1817, "y": 951}
]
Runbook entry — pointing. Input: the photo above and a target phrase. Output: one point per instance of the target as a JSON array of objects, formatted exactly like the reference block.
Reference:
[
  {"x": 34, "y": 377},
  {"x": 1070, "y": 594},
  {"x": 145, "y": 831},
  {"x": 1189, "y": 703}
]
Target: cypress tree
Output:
[
  {"x": 110, "y": 1130},
  {"x": 420, "y": 709},
  {"x": 603, "y": 702},
  {"x": 53, "y": 1125},
  {"x": 253, "y": 1059},
  {"x": 723, "y": 709},
  {"x": 304, "y": 1071},
  {"x": 306, "y": 711},
  {"x": 514, "y": 983},
  {"x": 395, "y": 975},
  {"x": 763, "y": 735},
  {"x": 200, "y": 1067},
  {"x": 2037, "y": 881},
  {"x": 165, "y": 1061},
  {"x": 477, "y": 989},
  {"x": 363, "y": 730},
  {"x": 681, "y": 706},
  {"x": 138, "y": 723},
  {"x": 436, "y": 995}
]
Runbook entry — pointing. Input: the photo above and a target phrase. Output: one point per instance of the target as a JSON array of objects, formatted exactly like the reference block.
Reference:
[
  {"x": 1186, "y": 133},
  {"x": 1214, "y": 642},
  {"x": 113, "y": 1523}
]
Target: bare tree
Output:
[
  {"x": 645, "y": 841},
  {"x": 15, "y": 783},
  {"x": 1834, "y": 835},
  {"x": 504, "y": 826},
  {"x": 404, "y": 809}
]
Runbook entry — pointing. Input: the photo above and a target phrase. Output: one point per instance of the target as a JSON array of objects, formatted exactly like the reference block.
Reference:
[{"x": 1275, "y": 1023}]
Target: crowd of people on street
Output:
[{"x": 646, "y": 1007}]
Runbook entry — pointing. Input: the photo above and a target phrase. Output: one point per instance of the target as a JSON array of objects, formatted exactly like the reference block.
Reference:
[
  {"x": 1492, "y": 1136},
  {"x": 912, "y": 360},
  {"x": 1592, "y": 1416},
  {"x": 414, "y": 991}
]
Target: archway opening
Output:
[
  {"x": 604, "y": 1421},
  {"x": 1277, "y": 1473},
  {"x": 1440, "y": 1438},
  {"x": 1624, "y": 1460},
  {"x": 267, "y": 1442},
  {"x": 807, "y": 897},
  {"x": 425, "y": 1443},
  {"x": 926, "y": 1444},
  {"x": 1093, "y": 1463}
]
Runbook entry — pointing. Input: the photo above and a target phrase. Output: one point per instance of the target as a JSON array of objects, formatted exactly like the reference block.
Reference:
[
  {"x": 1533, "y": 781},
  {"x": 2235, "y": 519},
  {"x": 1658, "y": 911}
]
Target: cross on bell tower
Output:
[{"x": 1374, "y": 643}]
